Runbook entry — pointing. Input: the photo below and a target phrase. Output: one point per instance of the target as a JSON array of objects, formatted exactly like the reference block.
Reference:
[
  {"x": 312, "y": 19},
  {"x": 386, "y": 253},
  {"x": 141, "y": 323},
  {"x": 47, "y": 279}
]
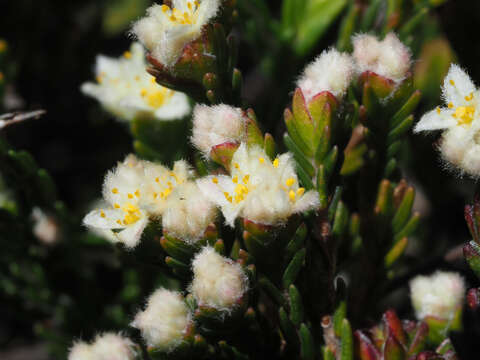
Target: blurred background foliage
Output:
[{"x": 82, "y": 284}]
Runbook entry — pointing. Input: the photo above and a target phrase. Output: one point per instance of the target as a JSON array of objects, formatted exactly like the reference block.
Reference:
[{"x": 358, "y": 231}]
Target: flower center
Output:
[
  {"x": 132, "y": 214},
  {"x": 464, "y": 114},
  {"x": 178, "y": 17},
  {"x": 166, "y": 184},
  {"x": 155, "y": 95}
]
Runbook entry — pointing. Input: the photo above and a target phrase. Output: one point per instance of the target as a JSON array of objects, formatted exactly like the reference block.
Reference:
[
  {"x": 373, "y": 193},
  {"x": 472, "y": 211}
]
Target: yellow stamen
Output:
[
  {"x": 215, "y": 180},
  {"x": 450, "y": 105},
  {"x": 137, "y": 193},
  {"x": 275, "y": 163},
  {"x": 165, "y": 8},
  {"x": 157, "y": 179},
  {"x": 464, "y": 114},
  {"x": 235, "y": 179},
  {"x": 438, "y": 110},
  {"x": 189, "y": 5},
  {"x": 261, "y": 159},
  {"x": 116, "y": 206},
  {"x": 115, "y": 190},
  {"x": 452, "y": 82},
  {"x": 236, "y": 165},
  {"x": 469, "y": 97},
  {"x": 300, "y": 191},
  {"x": 290, "y": 181},
  {"x": 130, "y": 196},
  {"x": 143, "y": 92},
  {"x": 127, "y": 54},
  {"x": 155, "y": 195},
  {"x": 291, "y": 195},
  {"x": 246, "y": 178},
  {"x": 102, "y": 214},
  {"x": 3, "y": 46},
  {"x": 119, "y": 222}
]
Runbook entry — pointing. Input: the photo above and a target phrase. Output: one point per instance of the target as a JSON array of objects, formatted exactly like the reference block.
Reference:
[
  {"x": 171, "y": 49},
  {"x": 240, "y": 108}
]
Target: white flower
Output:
[
  {"x": 459, "y": 120},
  {"x": 110, "y": 346},
  {"x": 439, "y": 295},
  {"x": 81, "y": 351},
  {"x": 258, "y": 189},
  {"x": 218, "y": 282},
  {"x": 160, "y": 182},
  {"x": 122, "y": 189},
  {"x": 45, "y": 227},
  {"x": 188, "y": 213},
  {"x": 215, "y": 125},
  {"x": 125, "y": 89},
  {"x": 164, "y": 321},
  {"x": 331, "y": 71},
  {"x": 165, "y": 31},
  {"x": 389, "y": 58}
]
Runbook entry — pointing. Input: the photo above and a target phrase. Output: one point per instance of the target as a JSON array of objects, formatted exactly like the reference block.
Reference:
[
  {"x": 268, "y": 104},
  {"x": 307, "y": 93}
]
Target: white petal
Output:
[
  {"x": 132, "y": 234},
  {"x": 309, "y": 201},
  {"x": 462, "y": 86},
  {"x": 95, "y": 219},
  {"x": 215, "y": 191},
  {"x": 435, "y": 121}
]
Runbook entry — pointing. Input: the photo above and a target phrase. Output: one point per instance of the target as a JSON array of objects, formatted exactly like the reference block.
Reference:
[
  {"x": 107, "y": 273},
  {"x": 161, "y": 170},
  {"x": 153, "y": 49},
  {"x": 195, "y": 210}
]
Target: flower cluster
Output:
[
  {"x": 333, "y": 71},
  {"x": 126, "y": 90},
  {"x": 166, "y": 30},
  {"x": 459, "y": 120},
  {"x": 138, "y": 190},
  {"x": 108, "y": 346}
]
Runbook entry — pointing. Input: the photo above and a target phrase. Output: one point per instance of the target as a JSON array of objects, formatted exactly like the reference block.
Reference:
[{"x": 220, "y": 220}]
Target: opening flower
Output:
[
  {"x": 258, "y": 189},
  {"x": 122, "y": 190},
  {"x": 125, "y": 89},
  {"x": 459, "y": 119},
  {"x": 165, "y": 31}
]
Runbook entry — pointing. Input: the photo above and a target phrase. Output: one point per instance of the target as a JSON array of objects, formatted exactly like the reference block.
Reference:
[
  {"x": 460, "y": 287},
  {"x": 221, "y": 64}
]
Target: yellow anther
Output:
[
  {"x": 291, "y": 195},
  {"x": 130, "y": 196},
  {"x": 157, "y": 179},
  {"x": 235, "y": 179},
  {"x": 450, "y": 105},
  {"x": 189, "y": 5},
  {"x": 165, "y": 8},
  {"x": 99, "y": 79},
  {"x": 275, "y": 163},
  {"x": 290, "y": 181},
  {"x": 173, "y": 18},
  {"x": 227, "y": 196},
  {"x": 3, "y": 46},
  {"x": 157, "y": 97},
  {"x": 116, "y": 206},
  {"x": 215, "y": 180},
  {"x": 143, "y": 92},
  {"x": 169, "y": 183},
  {"x": 152, "y": 80},
  {"x": 464, "y": 114},
  {"x": 167, "y": 192},
  {"x": 300, "y": 191},
  {"x": 469, "y": 97},
  {"x": 438, "y": 110},
  {"x": 102, "y": 214},
  {"x": 155, "y": 195},
  {"x": 236, "y": 165},
  {"x": 452, "y": 82},
  {"x": 246, "y": 178},
  {"x": 115, "y": 190},
  {"x": 196, "y": 3},
  {"x": 241, "y": 189},
  {"x": 119, "y": 222},
  {"x": 137, "y": 193},
  {"x": 261, "y": 159},
  {"x": 137, "y": 78},
  {"x": 127, "y": 54}
]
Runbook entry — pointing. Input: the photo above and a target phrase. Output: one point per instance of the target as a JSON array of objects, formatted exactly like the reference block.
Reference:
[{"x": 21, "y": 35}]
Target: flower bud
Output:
[
  {"x": 81, "y": 351},
  {"x": 218, "y": 282},
  {"x": 45, "y": 227},
  {"x": 188, "y": 213},
  {"x": 164, "y": 321},
  {"x": 332, "y": 71},
  {"x": 215, "y": 125},
  {"x": 439, "y": 295},
  {"x": 110, "y": 346},
  {"x": 389, "y": 58}
]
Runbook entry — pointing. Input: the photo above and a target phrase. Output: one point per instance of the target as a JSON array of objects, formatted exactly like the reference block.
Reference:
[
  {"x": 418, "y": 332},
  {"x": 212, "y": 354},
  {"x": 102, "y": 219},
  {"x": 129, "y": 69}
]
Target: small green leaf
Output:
[
  {"x": 292, "y": 270},
  {"x": 404, "y": 210},
  {"x": 307, "y": 349},
  {"x": 296, "y": 305},
  {"x": 338, "y": 316},
  {"x": 346, "y": 346},
  {"x": 395, "y": 252}
]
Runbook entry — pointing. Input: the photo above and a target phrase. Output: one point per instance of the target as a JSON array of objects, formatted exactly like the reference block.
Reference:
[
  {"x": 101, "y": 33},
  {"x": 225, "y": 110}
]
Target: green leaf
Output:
[
  {"x": 307, "y": 349},
  {"x": 404, "y": 210},
  {"x": 340, "y": 222},
  {"x": 292, "y": 270},
  {"x": 346, "y": 346},
  {"x": 407, "y": 108},
  {"x": 297, "y": 241},
  {"x": 269, "y": 146},
  {"x": 287, "y": 327},
  {"x": 347, "y": 28},
  {"x": 338, "y": 316},
  {"x": 296, "y": 305},
  {"x": 301, "y": 160},
  {"x": 271, "y": 290},
  {"x": 395, "y": 252},
  {"x": 400, "y": 129},
  {"x": 409, "y": 228}
]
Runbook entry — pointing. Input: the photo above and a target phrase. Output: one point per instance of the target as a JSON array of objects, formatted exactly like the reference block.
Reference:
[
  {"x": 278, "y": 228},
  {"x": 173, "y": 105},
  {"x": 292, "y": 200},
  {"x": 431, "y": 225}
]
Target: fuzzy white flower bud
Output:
[
  {"x": 331, "y": 71},
  {"x": 110, "y": 346},
  {"x": 439, "y": 295},
  {"x": 214, "y": 125},
  {"x": 218, "y": 282},
  {"x": 125, "y": 89},
  {"x": 165, "y": 31},
  {"x": 188, "y": 213},
  {"x": 45, "y": 227},
  {"x": 164, "y": 321},
  {"x": 389, "y": 58},
  {"x": 81, "y": 351}
]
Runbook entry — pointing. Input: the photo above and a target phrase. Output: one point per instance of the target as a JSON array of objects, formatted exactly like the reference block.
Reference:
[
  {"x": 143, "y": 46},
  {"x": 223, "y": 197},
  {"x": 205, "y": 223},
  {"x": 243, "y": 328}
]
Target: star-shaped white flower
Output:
[
  {"x": 459, "y": 120},
  {"x": 165, "y": 31},
  {"x": 125, "y": 219},
  {"x": 258, "y": 189},
  {"x": 125, "y": 89}
]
